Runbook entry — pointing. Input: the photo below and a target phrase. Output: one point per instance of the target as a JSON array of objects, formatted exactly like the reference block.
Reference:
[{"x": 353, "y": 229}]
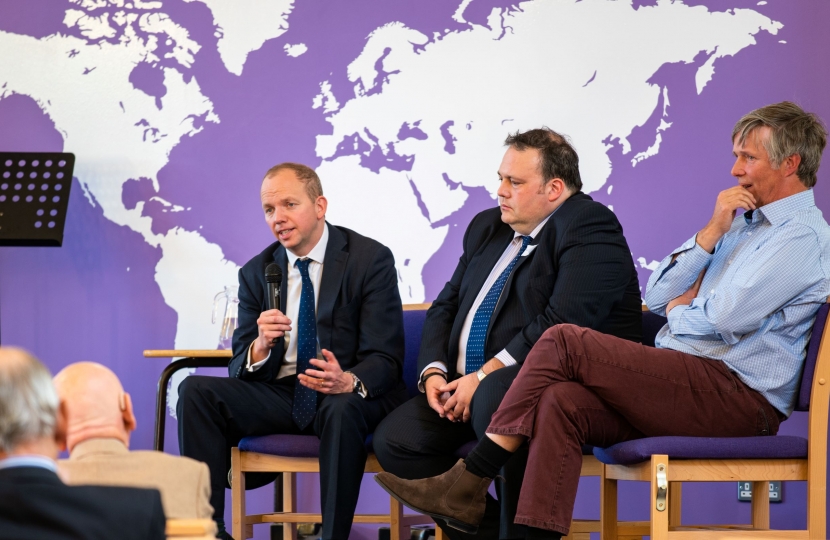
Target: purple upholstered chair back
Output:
[
  {"x": 413, "y": 324},
  {"x": 803, "y": 403}
]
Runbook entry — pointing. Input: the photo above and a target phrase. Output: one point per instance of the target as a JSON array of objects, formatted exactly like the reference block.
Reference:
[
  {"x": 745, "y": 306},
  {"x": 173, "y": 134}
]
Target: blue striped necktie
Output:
[
  {"x": 305, "y": 399},
  {"x": 481, "y": 320}
]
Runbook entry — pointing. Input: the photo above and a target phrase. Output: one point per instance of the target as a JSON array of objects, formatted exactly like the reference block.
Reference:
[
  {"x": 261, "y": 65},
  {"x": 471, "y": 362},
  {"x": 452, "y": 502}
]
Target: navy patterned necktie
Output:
[
  {"x": 305, "y": 399},
  {"x": 481, "y": 320}
]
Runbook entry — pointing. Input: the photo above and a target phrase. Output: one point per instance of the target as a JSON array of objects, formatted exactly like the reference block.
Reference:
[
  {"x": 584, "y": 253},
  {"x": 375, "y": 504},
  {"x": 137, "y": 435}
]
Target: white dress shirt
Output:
[
  {"x": 512, "y": 250},
  {"x": 292, "y": 303}
]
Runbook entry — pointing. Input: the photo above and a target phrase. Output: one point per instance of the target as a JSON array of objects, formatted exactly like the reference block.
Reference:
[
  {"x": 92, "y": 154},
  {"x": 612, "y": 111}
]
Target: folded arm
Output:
[{"x": 787, "y": 267}]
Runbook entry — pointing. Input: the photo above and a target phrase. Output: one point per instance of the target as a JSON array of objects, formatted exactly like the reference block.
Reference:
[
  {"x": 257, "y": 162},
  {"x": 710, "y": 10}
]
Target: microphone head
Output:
[{"x": 273, "y": 273}]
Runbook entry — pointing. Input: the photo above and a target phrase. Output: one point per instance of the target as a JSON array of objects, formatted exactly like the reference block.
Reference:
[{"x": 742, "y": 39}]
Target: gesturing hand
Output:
[
  {"x": 726, "y": 206},
  {"x": 328, "y": 378}
]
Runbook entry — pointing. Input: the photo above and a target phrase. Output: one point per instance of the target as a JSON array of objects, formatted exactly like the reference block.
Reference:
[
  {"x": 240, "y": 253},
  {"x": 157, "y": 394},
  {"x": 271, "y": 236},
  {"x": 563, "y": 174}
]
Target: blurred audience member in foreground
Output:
[
  {"x": 100, "y": 420},
  {"x": 34, "y": 503}
]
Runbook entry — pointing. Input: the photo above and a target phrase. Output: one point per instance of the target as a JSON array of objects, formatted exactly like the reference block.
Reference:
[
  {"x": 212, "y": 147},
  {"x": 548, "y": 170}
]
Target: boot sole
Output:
[{"x": 452, "y": 522}]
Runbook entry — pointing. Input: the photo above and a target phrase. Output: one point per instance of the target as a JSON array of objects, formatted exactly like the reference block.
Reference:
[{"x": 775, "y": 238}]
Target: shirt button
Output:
[{"x": 712, "y": 291}]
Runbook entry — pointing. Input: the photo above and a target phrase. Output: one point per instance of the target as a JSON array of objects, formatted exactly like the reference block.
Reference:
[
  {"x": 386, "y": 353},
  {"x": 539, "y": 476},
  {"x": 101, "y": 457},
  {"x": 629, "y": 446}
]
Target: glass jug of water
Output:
[{"x": 230, "y": 320}]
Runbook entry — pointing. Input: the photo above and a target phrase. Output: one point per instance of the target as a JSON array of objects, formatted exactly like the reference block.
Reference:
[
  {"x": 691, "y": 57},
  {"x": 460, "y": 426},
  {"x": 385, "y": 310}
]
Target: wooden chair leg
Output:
[
  {"x": 397, "y": 530},
  {"x": 760, "y": 505},
  {"x": 607, "y": 507},
  {"x": 237, "y": 495},
  {"x": 659, "y": 518},
  {"x": 817, "y": 497},
  {"x": 439, "y": 533},
  {"x": 675, "y": 507},
  {"x": 289, "y": 504}
]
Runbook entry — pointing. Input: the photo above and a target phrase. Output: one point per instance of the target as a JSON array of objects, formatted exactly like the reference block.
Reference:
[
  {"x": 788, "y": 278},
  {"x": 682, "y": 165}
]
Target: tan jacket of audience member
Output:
[{"x": 183, "y": 482}]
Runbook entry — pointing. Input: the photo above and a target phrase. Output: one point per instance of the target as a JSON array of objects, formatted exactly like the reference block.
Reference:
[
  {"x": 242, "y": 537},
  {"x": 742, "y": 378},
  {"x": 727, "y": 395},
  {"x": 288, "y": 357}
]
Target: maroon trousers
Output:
[{"x": 578, "y": 386}]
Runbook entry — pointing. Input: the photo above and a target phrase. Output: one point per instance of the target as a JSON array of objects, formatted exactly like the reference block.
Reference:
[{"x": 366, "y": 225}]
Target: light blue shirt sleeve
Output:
[
  {"x": 788, "y": 265},
  {"x": 668, "y": 282}
]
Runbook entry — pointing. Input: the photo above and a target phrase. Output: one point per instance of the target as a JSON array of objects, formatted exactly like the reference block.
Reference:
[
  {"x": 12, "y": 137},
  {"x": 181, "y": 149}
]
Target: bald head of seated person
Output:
[
  {"x": 545, "y": 255},
  {"x": 100, "y": 420},
  {"x": 34, "y": 502}
]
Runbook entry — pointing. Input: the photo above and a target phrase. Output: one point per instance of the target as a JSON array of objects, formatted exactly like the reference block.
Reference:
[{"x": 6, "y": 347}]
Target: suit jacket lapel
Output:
[
  {"x": 484, "y": 265},
  {"x": 538, "y": 241},
  {"x": 333, "y": 269}
]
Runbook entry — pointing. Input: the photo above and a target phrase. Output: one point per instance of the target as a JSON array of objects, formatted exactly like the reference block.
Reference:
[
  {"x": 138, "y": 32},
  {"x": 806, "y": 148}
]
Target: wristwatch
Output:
[
  {"x": 480, "y": 374},
  {"x": 357, "y": 385}
]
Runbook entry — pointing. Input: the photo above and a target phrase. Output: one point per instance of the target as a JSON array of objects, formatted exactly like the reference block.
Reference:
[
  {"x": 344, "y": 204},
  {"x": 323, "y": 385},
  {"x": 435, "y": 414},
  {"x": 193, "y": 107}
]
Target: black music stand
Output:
[{"x": 34, "y": 197}]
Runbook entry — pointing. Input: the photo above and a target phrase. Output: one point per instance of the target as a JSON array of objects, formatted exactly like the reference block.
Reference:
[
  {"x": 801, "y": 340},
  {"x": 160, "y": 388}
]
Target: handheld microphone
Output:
[{"x": 273, "y": 278}]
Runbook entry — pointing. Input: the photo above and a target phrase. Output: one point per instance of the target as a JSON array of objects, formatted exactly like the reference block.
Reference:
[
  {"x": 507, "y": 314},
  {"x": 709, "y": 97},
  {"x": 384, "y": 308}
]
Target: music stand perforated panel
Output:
[{"x": 34, "y": 197}]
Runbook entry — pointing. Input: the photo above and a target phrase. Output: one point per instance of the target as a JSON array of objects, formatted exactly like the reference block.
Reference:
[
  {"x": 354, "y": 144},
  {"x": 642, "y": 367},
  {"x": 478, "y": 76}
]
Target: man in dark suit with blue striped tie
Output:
[
  {"x": 547, "y": 255},
  {"x": 339, "y": 290}
]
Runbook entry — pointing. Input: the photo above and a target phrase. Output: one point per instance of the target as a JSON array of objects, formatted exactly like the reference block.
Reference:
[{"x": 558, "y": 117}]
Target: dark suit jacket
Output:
[
  {"x": 359, "y": 313},
  {"x": 34, "y": 503},
  {"x": 580, "y": 272}
]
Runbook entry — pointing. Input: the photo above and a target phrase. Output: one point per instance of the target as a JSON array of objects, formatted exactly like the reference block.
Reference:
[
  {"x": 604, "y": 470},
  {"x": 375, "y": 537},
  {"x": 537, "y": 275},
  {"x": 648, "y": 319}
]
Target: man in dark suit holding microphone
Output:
[
  {"x": 547, "y": 255},
  {"x": 339, "y": 296}
]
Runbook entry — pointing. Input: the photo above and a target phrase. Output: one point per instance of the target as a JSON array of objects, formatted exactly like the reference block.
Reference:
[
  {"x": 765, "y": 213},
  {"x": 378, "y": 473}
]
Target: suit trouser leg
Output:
[
  {"x": 485, "y": 402},
  {"x": 214, "y": 413},
  {"x": 343, "y": 422},
  {"x": 578, "y": 386},
  {"x": 414, "y": 442}
]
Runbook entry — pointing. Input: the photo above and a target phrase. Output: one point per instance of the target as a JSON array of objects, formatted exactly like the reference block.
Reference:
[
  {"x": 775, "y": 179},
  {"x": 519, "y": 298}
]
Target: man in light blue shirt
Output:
[
  {"x": 740, "y": 297},
  {"x": 758, "y": 296}
]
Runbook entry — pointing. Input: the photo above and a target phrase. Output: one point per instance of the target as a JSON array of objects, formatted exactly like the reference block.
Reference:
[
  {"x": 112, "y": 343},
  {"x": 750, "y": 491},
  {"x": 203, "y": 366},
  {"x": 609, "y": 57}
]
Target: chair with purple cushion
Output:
[
  {"x": 291, "y": 454},
  {"x": 665, "y": 462}
]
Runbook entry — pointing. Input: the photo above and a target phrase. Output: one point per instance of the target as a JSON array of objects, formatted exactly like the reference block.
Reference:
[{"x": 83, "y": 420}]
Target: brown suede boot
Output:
[{"x": 457, "y": 496}]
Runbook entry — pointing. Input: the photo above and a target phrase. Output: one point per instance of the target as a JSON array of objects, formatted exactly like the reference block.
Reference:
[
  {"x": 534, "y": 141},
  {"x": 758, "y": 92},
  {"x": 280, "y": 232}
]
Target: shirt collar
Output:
[
  {"x": 98, "y": 446},
  {"x": 779, "y": 211},
  {"x": 538, "y": 228},
  {"x": 317, "y": 253},
  {"x": 40, "y": 462}
]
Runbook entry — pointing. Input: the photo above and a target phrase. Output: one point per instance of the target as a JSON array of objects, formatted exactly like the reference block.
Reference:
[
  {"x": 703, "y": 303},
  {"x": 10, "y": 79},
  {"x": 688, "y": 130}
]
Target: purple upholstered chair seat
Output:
[
  {"x": 300, "y": 446},
  {"x": 639, "y": 450}
]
